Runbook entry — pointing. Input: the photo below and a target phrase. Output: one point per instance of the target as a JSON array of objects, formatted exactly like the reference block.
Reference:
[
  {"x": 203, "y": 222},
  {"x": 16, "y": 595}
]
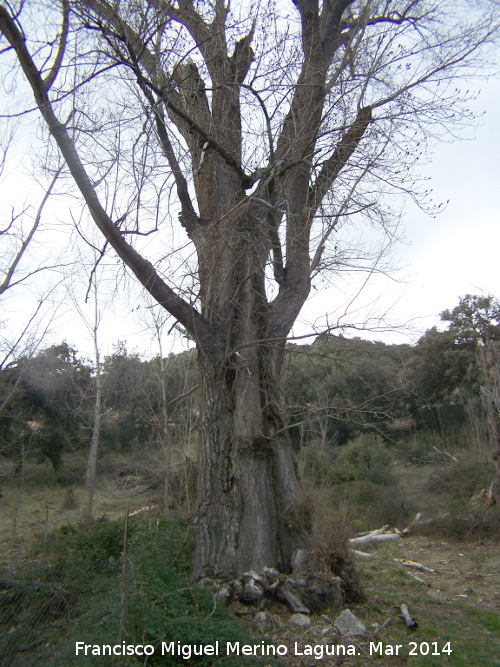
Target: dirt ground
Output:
[{"x": 456, "y": 609}]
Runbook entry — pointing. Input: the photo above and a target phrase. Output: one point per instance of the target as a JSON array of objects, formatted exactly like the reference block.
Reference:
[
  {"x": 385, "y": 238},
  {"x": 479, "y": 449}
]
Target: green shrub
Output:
[
  {"x": 165, "y": 607},
  {"x": 368, "y": 505},
  {"x": 365, "y": 459},
  {"x": 73, "y": 592},
  {"x": 316, "y": 465}
]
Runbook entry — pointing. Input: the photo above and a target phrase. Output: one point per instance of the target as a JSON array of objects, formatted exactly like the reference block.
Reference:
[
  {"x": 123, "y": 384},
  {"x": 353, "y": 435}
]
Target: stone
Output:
[
  {"x": 205, "y": 582},
  {"x": 300, "y": 620},
  {"x": 236, "y": 588},
  {"x": 321, "y": 593},
  {"x": 291, "y": 592},
  {"x": 348, "y": 625},
  {"x": 253, "y": 590},
  {"x": 299, "y": 559},
  {"x": 261, "y": 621},
  {"x": 270, "y": 579},
  {"x": 223, "y": 593}
]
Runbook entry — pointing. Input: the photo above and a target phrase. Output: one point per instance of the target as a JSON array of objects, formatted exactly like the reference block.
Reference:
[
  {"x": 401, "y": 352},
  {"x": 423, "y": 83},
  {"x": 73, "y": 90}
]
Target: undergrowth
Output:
[{"x": 71, "y": 592}]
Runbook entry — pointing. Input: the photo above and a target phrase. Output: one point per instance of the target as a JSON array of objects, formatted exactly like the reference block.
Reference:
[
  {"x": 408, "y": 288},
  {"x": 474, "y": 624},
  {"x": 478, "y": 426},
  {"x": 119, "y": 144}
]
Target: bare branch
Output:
[
  {"x": 144, "y": 270},
  {"x": 6, "y": 283},
  {"x": 341, "y": 155},
  {"x": 54, "y": 71}
]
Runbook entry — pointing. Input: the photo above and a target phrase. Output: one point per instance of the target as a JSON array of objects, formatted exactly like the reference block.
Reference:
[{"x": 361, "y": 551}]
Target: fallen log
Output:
[
  {"x": 450, "y": 456},
  {"x": 376, "y": 536},
  {"x": 420, "y": 581},
  {"x": 410, "y": 622},
  {"x": 382, "y": 627},
  {"x": 369, "y": 532},
  {"x": 362, "y": 554}
]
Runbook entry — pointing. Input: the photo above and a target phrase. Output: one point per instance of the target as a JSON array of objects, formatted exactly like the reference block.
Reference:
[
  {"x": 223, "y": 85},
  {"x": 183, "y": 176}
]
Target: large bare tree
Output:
[{"x": 265, "y": 128}]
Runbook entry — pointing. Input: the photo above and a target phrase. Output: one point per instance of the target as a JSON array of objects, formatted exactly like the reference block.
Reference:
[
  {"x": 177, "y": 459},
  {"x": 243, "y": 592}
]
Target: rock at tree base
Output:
[
  {"x": 261, "y": 621},
  {"x": 291, "y": 592}
]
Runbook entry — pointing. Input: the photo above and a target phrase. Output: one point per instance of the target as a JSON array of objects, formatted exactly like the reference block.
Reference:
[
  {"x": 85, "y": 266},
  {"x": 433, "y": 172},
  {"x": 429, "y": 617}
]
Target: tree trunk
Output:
[
  {"x": 249, "y": 497},
  {"x": 96, "y": 431},
  {"x": 93, "y": 451}
]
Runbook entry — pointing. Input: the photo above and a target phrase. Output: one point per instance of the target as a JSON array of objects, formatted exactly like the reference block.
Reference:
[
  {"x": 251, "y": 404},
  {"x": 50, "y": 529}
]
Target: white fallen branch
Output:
[
  {"x": 453, "y": 458},
  {"x": 420, "y": 581},
  {"x": 376, "y": 536},
  {"x": 369, "y": 532},
  {"x": 417, "y": 519},
  {"x": 493, "y": 491},
  {"x": 382, "y": 627},
  {"x": 410, "y": 622},
  {"x": 412, "y": 563},
  {"x": 141, "y": 510},
  {"x": 362, "y": 554}
]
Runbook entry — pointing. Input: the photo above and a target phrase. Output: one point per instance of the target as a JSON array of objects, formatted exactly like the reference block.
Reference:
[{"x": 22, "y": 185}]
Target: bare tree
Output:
[
  {"x": 271, "y": 128},
  {"x": 92, "y": 323}
]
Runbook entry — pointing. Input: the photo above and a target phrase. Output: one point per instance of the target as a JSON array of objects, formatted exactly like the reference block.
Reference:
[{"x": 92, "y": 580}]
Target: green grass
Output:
[
  {"x": 74, "y": 593},
  {"x": 473, "y": 632}
]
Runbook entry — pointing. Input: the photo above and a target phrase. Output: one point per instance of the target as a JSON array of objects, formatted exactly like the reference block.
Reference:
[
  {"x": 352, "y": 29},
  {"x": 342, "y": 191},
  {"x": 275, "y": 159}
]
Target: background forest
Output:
[{"x": 351, "y": 404}]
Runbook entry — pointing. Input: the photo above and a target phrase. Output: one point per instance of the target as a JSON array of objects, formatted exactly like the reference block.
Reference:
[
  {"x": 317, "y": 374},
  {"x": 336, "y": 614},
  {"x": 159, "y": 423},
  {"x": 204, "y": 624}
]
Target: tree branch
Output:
[
  {"x": 54, "y": 70},
  {"x": 339, "y": 158},
  {"x": 4, "y": 286},
  {"x": 205, "y": 335}
]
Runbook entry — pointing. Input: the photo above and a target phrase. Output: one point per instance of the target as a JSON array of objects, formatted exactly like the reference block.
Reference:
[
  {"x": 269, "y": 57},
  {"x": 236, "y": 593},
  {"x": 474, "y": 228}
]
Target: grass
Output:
[
  {"x": 68, "y": 584},
  {"x": 74, "y": 595},
  {"x": 471, "y": 625}
]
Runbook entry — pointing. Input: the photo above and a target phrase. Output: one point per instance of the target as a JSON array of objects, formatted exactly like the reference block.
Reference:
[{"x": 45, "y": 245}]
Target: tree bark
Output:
[
  {"x": 90, "y": 475},
  {"x": 249, "y": 497}
]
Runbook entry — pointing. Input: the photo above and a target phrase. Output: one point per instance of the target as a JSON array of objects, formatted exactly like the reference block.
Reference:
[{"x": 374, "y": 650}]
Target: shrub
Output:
[
  {"x": 74, "y": 593},
  {"x": 372, "y": 505},
  {"x": 330, "y": 547},
  {"x": 365, "y": 459},
  {"x": 316, "y": 465}
]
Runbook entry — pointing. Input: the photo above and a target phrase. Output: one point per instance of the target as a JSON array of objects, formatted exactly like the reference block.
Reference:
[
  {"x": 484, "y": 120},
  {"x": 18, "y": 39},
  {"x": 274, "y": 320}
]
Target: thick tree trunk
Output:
[{"x": 249, "y": 497}]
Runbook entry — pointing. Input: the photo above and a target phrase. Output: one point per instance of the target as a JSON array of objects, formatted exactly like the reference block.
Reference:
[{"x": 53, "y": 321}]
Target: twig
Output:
[
  {"x": 383, "y": 626},
  {"x": 124, "y": 577}
]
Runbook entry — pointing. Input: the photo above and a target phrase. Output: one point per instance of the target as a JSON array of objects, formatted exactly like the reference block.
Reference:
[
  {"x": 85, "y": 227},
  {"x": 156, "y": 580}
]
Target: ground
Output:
[
  {"x": 459, "y": 609},
  {"x": 460, "y": 605}
]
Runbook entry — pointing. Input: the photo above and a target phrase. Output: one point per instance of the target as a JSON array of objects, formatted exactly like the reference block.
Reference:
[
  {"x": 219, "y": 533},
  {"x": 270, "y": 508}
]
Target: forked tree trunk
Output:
[{"x": 249, "y": 496}]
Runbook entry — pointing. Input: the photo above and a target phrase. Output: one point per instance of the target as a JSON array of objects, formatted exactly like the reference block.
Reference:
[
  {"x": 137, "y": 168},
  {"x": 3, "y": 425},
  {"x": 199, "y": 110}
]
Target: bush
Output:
[
  {"x": 329, "y": 547},
  {"x": 461, "y": 480},
  {"x": 316, "y": 465},
  {"x": 370, "y": 505},
  {"x": 365, "y": 459},
  {"x": 481, "y": 523}
]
